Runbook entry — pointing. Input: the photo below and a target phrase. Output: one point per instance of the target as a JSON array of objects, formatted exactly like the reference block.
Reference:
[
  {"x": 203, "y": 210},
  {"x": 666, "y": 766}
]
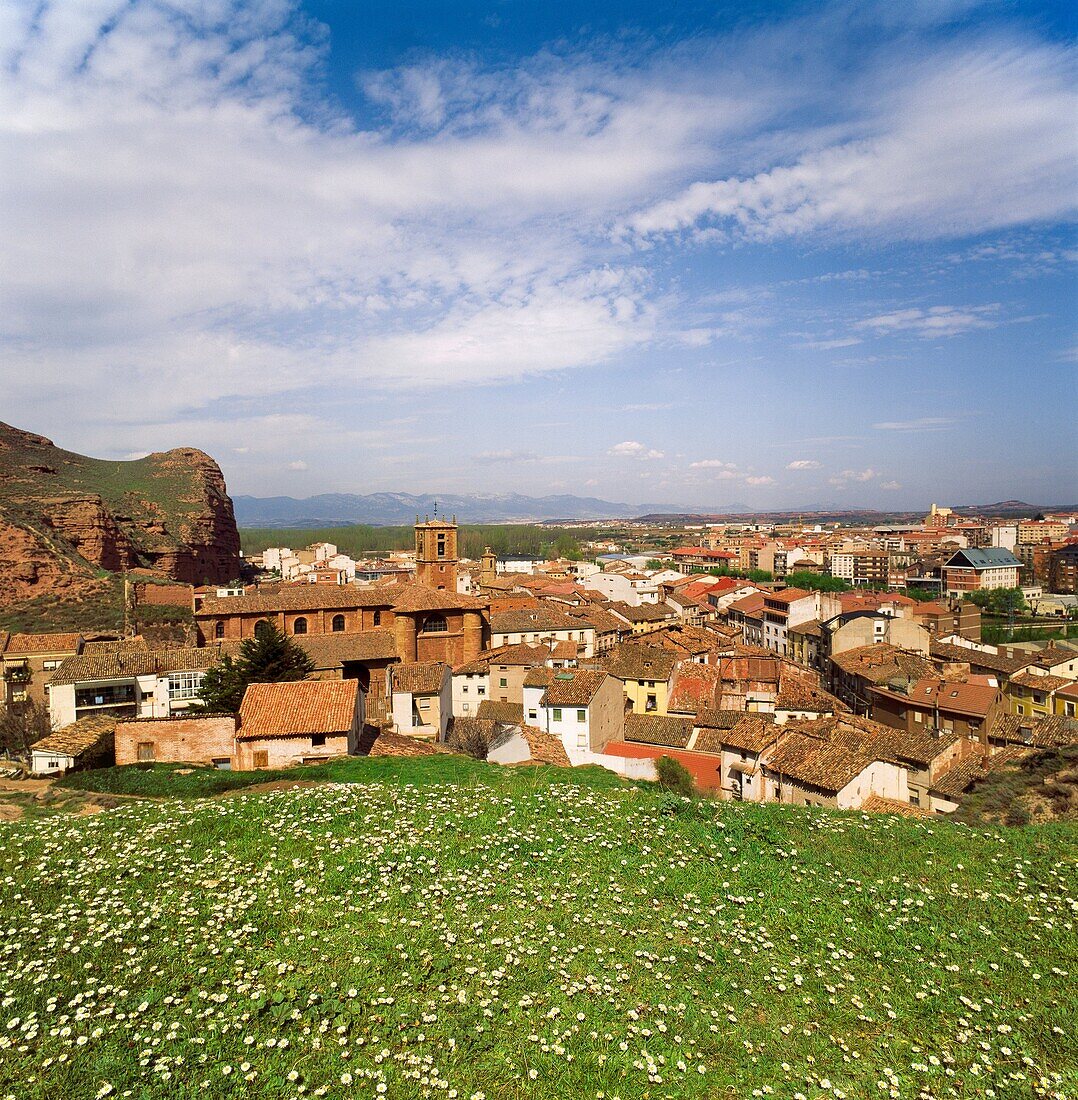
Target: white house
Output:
[
  {"x": 422, "y": 698},
  {"x": 542, "y": 625},
  {"x": 584, "y": 709},
  {"x": 132, "y": 684}
]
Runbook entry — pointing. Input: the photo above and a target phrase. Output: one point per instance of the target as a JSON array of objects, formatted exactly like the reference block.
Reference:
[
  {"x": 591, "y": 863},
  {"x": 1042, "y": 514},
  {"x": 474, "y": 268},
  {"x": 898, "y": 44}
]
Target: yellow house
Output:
[
  {"x": 1067, "y": 701},
  {"x": 645, "y": 672},
  {"x": 1036, "y": 696}
]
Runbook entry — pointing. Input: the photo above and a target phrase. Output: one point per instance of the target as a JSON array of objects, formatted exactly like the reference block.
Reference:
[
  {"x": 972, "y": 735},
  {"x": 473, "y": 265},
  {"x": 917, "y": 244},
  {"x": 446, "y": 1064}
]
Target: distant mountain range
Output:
[
  {"x": 390, "y": 509},
  {"x": 384, "y": 509}
]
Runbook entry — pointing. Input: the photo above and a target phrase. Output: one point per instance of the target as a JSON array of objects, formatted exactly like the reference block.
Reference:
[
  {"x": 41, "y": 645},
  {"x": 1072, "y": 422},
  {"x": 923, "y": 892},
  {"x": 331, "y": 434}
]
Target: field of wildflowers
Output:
[{"x": 527, "y": 938}]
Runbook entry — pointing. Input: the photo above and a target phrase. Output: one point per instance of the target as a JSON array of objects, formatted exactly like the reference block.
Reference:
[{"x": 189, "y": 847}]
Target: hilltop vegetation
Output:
[
  {"x": 445, "y": 928},
  {"x": 360, "y": 540}
]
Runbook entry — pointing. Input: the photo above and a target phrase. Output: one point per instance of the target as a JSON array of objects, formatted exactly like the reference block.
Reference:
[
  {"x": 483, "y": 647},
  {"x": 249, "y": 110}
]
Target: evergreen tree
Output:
[{"x": 267, "y": 658}]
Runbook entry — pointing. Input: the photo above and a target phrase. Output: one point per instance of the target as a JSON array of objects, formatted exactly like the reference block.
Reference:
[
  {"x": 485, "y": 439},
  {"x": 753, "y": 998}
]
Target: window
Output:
[
  {"x": 481, "y": 690},
  {"x": 184, "y": 685},
  {"x": 1038, "y": 698},
  {"x": 48, "y": 666},
  {"x": 262, "y": 627},
  {"x": 464, "y": 689},
  {"x": 1068, "y": 710},
  {"x": 651, "y": 703},
  {"x": 261, "y": 759},
  {"x": 915, "y": 798},
  {"x": 337, "y": 624},
  {"x": 503, "y": 682},
  {"x": 582, "y": 740},
  {"x": 465, "y": 707},
  {"x": 219, "y": 628},
  {"x": 557, "y": 714},
  {"x": 299, "y": 626},
  {"x": 534, "y": 714},
  {"x": 424, "y": 704},
  {"x": 145, "y": 751},
  {"x": 581, "y": 715},
  {"x": 317, "y": 740},
  {"x": 435, "y": 624},
  {"x": 377, "y": 618}
]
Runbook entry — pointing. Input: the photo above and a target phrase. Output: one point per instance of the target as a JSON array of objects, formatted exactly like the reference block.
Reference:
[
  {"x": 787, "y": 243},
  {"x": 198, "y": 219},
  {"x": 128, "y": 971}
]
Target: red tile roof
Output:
[
  {"x": 305, "y": 707},
  {"x": 25, "y": 645}
]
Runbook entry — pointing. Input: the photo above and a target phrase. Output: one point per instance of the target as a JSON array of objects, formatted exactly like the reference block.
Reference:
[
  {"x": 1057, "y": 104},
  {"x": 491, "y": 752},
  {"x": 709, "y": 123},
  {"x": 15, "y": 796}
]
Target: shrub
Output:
[
  {"x": 1017, "y": 816},
  {"x": 674, "y": 776}
]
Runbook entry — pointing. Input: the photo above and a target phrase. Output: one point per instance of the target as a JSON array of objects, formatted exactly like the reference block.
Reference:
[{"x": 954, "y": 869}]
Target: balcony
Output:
[{"x": 18, "y": 674}]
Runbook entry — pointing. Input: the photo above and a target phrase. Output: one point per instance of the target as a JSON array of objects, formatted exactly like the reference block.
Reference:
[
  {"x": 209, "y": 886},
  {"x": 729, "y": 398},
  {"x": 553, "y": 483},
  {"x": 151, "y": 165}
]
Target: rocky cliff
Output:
[{"x": 65, "y": 517}]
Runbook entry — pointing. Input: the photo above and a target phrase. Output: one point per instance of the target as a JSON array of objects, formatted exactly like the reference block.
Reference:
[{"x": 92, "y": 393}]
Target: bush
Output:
[
  {"x": 674, "y": 776},
  {"x": 1017, "y": 816}
]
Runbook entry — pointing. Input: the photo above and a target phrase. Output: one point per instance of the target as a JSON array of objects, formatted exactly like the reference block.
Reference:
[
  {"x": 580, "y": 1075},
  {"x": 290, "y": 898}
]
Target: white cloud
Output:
[
  {"x": 830, "y": 345},
  {"x": 933, "y": 322},
  {"x": 803, "y": 464},
  {"x": 713, "y": 464},
  {"x": 762, "y": 480},
  {"x": 955, "y": 144},
  {"x": 845, "y": 477},
  {"x": 921, "y": 424},
  {"x": 298, "y": 464},
  {"x": 890, "y": 485},
  {"x": 632, "y": 449}
]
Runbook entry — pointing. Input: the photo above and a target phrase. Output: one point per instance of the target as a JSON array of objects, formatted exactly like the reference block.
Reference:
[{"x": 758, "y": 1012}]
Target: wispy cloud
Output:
[
  {"x": 921, "y": 424},
  {"x": 762, "y": 479},
  {"x": 847, "y": 477},
  {"x": 803, "y": 464},
  {"x": 933, "y": 322}
]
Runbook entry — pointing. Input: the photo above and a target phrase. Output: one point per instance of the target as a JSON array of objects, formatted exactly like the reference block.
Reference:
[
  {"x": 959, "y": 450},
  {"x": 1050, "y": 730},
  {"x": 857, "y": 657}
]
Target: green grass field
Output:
[{"x": 444, "y": 928}]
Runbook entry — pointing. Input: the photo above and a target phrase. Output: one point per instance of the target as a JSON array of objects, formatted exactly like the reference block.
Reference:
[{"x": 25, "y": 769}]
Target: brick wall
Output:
[
  {"x": 177, "y": 740},
  {"x": 166, "y": 595}
]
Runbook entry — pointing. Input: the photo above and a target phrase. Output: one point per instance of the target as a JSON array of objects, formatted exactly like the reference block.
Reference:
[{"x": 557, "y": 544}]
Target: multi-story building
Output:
[
  {"x": 128, "y": 684},
  {"x": 980, "y": 570},
  {"x": 1063, "y": 569},
  {"x": 1041, "y": 530},
  {"x": 28, "y": 662}
]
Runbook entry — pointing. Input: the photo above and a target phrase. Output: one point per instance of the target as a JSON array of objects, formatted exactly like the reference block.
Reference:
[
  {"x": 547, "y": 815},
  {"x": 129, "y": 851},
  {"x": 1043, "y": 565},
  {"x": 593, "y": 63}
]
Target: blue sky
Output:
[{"x": 678, "y": 253}]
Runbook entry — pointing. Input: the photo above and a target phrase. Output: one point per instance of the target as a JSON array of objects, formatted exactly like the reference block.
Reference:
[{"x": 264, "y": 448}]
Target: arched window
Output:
[
  {"x": 262, "y": 627},
  {"x": 337, "y": 625},
  {"x": 219, "y": 628},
  {"x": 378, "y": 618},
  {"x": 435, "y": 624},
  {"x": 299, "y": 626}
]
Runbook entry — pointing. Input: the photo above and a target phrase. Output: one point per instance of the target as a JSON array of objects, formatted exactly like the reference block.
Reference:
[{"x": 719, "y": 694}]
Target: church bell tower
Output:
[{"x": 436, "y": 556}]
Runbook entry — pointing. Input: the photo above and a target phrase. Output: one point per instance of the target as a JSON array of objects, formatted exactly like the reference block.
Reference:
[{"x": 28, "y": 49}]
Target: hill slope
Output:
[
  {"x": 65, "y": 517},
  {"x": 444, "y": 927}
]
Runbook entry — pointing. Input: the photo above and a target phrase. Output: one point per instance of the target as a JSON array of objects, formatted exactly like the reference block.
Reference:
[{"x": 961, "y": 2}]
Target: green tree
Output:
[
  {"x": 674, "y": 776},
  {"x": 21, "y": 727},
  {"x": 654, "y": 563},
  {"x": 816, "y": 582},
  {"x": 267, "y": 658}
]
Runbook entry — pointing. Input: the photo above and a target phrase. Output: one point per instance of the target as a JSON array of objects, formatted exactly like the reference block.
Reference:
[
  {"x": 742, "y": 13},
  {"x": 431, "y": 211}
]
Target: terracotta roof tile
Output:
[
  {"x": 124, "y": 665},
  {"x": 304, "y": 707},
  {"x": 573, "y": 688},
  {"x": 501, "y": 710},
  {"x": 657, "y": 729},
  {"x": 419, "y": 678},
  {"x": 78, "y": 737},
  {"x": 25, "y": 645}
]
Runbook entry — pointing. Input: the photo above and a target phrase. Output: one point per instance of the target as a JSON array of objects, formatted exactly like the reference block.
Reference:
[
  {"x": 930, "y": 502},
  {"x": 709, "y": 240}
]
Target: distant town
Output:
[{"x": 885, "y": 668}]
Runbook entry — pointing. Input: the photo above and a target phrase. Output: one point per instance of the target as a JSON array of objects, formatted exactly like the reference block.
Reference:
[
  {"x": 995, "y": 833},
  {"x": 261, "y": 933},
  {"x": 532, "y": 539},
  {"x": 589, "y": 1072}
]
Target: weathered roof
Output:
[
  {"x": 635, "y": 661},
  {"x": 828, "y": 765},
  {"x": 79, "y": 737},
  {"x": 388, "y": 743},
  {"x": 572, "y": 688},
  {"x": 126, "y": 665},
  {"x": 296, "y": 709},
  {"x": 545, "y": 748},
  {"x": 333, "y": 650},
  {"x": 877, "y": 804},
  {"x": 977, "y": 658},
  {"x": 137, "y": 644},
  {"x": 657, "y": 729},
  {"x": 26, "y": 645},
  {"x": 501, "y": 710},
  {"x": 532, "y": 620},
  {"x": 538, "y": 677},
  {"x": 643, "y": 613},
  {"x": 882, "y": 662},
  {"x": 419, "y": 677},
  {"x": 1037, "y": 682},
  {"x": 748, "y": 732},
  {"x": 1048, "y": 732},
  {"x": 403, "y": 597}
]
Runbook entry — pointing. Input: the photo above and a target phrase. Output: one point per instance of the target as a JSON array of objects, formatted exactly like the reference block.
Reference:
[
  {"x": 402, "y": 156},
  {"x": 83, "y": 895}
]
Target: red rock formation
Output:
[{"x": 64, "y": 517}]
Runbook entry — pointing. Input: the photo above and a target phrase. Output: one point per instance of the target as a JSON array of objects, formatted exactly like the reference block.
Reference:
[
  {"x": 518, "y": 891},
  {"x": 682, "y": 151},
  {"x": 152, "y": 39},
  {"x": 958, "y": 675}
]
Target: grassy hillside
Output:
[
  {"x": 1042, "y": 787},
  {"x": 449, "y": 929}
]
